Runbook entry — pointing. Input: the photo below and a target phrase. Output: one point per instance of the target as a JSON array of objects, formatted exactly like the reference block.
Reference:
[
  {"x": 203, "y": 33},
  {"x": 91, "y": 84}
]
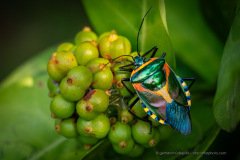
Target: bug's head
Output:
[{"x": 138, "y": 61}]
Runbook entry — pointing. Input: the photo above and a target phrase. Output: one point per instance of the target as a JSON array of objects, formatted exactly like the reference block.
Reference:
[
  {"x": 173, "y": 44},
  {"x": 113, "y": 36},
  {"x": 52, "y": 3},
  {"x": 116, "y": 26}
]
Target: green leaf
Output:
[
  {"x": 195, "y": 44},
  {"x": 27, "y": 129},
  {"x": 227, "y": 102},
  {"x": 125, "y": 17}
]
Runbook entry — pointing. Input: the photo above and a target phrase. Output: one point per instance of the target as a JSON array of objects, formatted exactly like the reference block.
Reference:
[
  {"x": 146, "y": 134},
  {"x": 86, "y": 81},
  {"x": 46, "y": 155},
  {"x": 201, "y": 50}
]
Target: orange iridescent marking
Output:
[
  {"x": 167, "y": 70},
  {"x": 163, "y": 92}
]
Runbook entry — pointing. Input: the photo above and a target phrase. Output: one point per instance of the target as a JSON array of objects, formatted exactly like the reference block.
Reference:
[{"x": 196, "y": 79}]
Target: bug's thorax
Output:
[{"x": 141, "y": 62}]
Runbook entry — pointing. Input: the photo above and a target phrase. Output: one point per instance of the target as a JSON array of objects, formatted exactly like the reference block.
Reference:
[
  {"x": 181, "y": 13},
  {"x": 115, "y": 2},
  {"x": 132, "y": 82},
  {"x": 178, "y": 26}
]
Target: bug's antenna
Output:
[
  {"x": 114, "y": 59},
  {"x": 122, "y": 56},
  {"x": 140, "y": 30}
]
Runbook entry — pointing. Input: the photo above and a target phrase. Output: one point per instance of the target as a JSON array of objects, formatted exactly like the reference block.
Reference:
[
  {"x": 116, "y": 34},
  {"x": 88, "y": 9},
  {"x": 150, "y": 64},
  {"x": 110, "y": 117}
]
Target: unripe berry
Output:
[
  {"x": 98, "y": 127},
  {"x": 154, "y": 140},
  {"x": 119, "y": 132},
  {"x": 124, "y": 147},
  {"x": 85, "y": 110},
  {"x": 67, "y": 46},
  {"x": 97, "y": 64},
  {"x": 86, "y": 51},
  {"x": 101, "y": 126},
  {"x": 105, "y": 34},
  {"x": 61, "y": 108},
  {"x": 98, "y": 99},
  {"x": 74, "y": 85},
  {"x": 60, "y": 63},
  {"x": 85, "y": 127},
  {"x": 80, "y": 76},
  {"x": 143, "y": 135},
  {"x": 68, "y": 128},
  {"x": 103, "y": 79},
  {"x": 125, "y": 116},
  {"x": 113, "y": 45},
  {"x": 70, "y": 92},
  {"x": 85, "y": 35}
]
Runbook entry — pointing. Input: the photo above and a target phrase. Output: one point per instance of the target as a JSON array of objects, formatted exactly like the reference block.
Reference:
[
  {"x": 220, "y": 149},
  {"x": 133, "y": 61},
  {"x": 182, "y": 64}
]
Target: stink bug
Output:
[{"x": 164, "y": 96}]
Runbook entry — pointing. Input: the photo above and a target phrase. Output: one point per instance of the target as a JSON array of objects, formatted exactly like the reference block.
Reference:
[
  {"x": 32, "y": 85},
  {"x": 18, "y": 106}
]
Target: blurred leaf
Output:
[
  {"x": 195, "y": 44},
  {"x": 227, "y": 102},
  {"x": 125, "y": 17},
  {"x": 27, "y": 129}
]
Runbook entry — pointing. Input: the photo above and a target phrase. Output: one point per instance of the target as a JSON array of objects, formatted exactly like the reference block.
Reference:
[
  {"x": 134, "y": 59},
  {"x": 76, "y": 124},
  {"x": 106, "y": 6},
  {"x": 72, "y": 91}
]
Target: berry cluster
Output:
[{"x": 89, "y": 100}]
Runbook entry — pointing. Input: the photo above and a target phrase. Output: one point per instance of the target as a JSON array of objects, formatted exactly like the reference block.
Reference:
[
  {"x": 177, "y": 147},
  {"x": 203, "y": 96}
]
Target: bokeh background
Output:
[{"x": 28, "y": 27}]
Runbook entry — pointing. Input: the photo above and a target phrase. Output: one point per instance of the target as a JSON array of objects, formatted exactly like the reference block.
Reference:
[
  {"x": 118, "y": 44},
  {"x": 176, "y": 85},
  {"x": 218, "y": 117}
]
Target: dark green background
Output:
[{"x": 28, "y": 27}]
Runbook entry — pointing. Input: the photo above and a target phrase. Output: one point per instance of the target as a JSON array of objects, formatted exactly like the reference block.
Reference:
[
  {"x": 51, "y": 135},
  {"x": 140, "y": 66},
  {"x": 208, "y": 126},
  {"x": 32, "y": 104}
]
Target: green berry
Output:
[
  {"x": 61, "y": 108},
  {"x": 97, "y": 64},
  {"x": 113, "y": 45},
  {"x": 154, "y": 140},
  {"x": 119, "y": 132},
  {"x": 86, "y": 51},
  {"x": 68, "y": 128},
  {"x": 105, "y": 34},
  {"x": 53, "y": 87},
  {"x": 103, "y": 79},
  {"x": 70, "y": 92},
  {"x": 98, "y": 99},
  {"x": 85, "y": 110},
  {"x": 67, "y": 46},
  {"x": 59, "y": 64},
  {"x": 80, "y": 76},
  {"x": 98, "y": 127},
  {"x": 101, "y": 126},
  {"x": 141, "y": 132},
  {"x": 85, "y": 127},
  {"x": 74, "y": 85},
  {"x": 124, "y": 147},
  {"x": 136, "y": 151},
  {"x": 125, "y": 116},
  {"x": 87, "y": 140},
  {"x": 85, "y": 35}
]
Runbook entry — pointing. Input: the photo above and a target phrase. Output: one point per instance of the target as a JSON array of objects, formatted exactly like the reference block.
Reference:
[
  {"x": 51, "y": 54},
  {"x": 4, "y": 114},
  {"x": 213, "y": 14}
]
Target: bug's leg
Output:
[
  {"x": 153, "y": 50},
  {"x": 144, "y": 118},
  {"x": 163, "y": 55},
  {"x": 132, "y": 104},
  {"x": 126, "y": 68},
  {"x": 128, "y": 89},
  {"x": 191, "y": 80}
]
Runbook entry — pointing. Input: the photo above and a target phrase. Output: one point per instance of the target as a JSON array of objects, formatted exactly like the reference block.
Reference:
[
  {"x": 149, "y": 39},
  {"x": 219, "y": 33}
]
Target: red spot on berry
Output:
[{"x": 89, "y": 95}]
